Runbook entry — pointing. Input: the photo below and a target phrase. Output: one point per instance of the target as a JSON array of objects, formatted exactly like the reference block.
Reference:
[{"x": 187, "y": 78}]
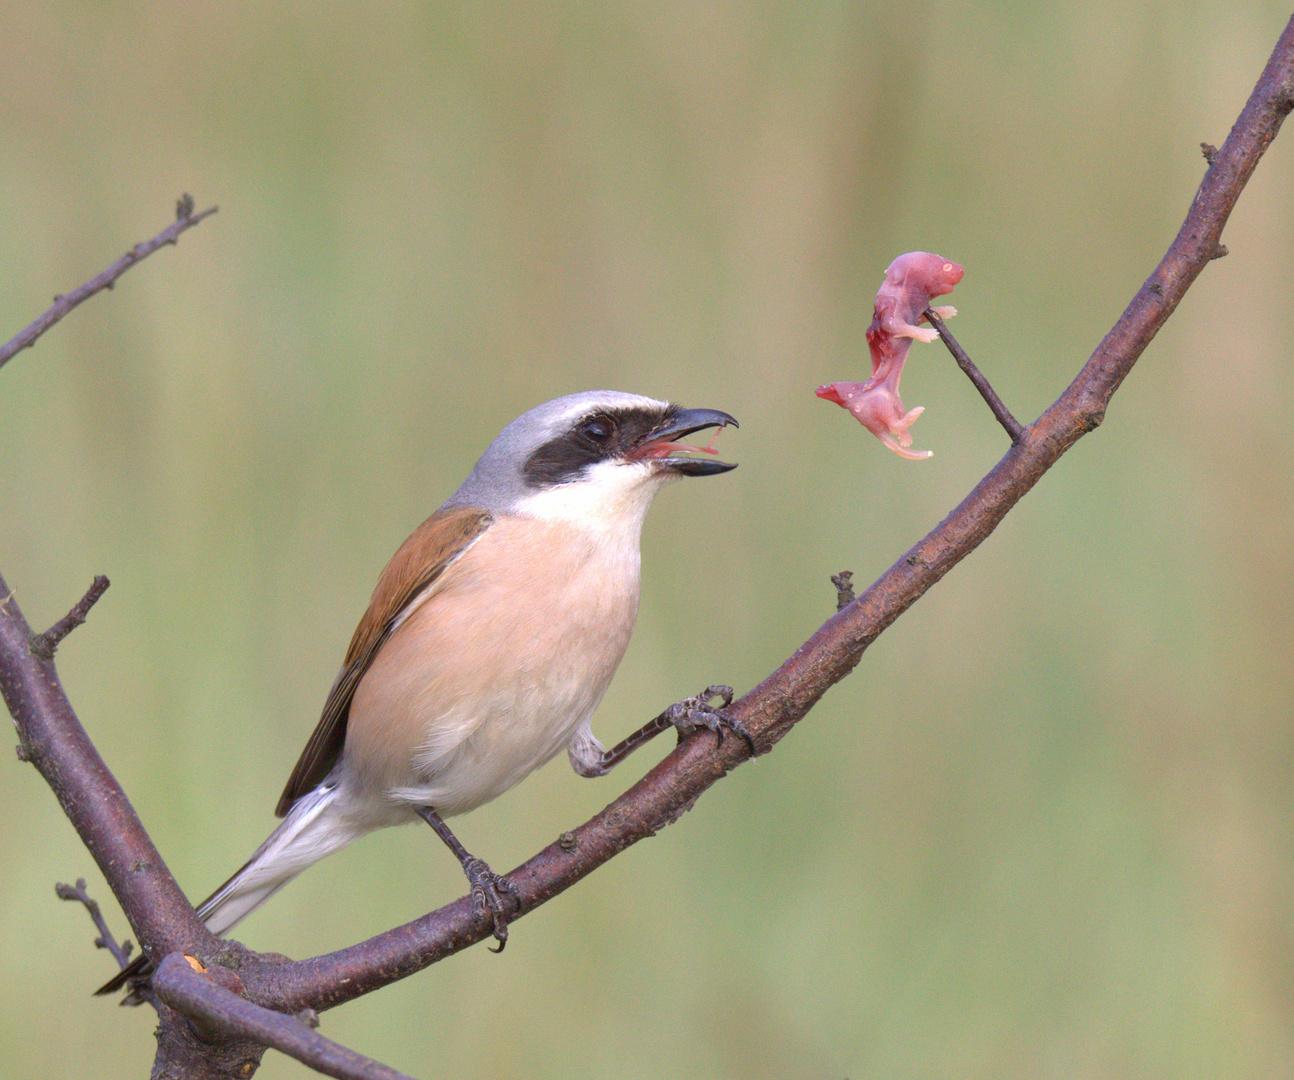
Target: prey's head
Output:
[{"x": 591, "y": 456}]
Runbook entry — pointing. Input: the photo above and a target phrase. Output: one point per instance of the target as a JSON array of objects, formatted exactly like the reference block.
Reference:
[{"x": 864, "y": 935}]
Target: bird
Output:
[{"x": 491, "y": 636}]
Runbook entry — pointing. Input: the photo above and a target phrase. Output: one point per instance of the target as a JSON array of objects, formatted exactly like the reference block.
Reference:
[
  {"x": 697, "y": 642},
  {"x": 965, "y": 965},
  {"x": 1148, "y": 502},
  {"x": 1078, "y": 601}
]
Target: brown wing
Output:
[{"x": 421, "y": 559}]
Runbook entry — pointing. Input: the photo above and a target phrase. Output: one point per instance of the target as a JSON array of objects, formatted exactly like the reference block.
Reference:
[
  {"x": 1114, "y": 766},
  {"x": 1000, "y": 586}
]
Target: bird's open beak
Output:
[{"x": 662, "y": 444}]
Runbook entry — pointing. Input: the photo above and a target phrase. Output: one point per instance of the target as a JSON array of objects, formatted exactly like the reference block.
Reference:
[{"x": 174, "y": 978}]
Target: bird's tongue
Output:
[{"x": 662, "y": 448}]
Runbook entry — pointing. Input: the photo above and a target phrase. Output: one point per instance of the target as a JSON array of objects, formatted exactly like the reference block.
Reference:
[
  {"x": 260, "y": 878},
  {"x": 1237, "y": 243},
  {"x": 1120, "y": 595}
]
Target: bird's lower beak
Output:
[{"x": 662, "y": 444}]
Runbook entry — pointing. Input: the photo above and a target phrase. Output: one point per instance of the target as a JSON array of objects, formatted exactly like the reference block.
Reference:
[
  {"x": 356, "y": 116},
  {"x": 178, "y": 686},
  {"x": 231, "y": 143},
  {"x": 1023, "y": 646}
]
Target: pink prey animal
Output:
[{"x": 911, "y": 282}]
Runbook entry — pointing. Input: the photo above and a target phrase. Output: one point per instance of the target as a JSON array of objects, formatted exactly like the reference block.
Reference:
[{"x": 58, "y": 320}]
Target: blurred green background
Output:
[{"x": 1045, "y": 828}]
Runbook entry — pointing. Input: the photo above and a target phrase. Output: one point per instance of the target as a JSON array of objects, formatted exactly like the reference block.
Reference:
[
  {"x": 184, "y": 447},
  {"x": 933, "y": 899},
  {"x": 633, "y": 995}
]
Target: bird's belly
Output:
[
  {"x": 492, "y": 676},
  {"x": 514, "y": 731}
]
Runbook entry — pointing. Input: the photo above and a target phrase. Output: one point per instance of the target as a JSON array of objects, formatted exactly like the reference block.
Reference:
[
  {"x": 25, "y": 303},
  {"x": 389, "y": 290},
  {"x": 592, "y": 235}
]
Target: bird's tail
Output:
[{"x": 312, "y": 829}]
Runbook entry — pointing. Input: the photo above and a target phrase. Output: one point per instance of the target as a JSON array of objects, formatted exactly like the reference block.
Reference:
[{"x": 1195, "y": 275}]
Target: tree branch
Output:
[
  {"x": 45, "y": 644},
  {"x": 120, "y": 950},
  {"x": 185, "y": 219},
  {"x": 222, "y": 1012},
  {"x": 52, "y": 738},
  {"x": 50, "y": 735},
  {"x": 1013, "y": 426}
]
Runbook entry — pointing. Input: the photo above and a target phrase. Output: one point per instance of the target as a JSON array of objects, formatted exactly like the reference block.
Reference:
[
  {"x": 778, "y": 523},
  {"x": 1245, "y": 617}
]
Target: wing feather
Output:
[{"x": 405, "y": 583}]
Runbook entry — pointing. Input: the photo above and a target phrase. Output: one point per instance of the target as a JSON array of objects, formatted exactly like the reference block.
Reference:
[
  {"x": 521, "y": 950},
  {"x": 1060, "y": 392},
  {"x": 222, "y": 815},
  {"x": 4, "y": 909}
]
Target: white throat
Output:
[{"x": 612, "y": 498}]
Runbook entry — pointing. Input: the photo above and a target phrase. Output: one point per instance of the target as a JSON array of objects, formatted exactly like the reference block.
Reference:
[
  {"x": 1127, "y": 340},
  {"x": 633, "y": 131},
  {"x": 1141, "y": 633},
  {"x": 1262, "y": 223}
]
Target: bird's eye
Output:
[{"x": 597, "y": 429}]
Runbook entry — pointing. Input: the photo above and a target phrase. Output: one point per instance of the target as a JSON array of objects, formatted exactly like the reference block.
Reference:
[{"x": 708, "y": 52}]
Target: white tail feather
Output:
[{"x": 312, "y": 829}]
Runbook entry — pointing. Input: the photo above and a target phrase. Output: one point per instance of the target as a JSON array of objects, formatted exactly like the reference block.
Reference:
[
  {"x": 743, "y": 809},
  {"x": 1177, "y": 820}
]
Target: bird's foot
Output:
[
  {"x": 488, "y": 890},
  {"x": 697, "y": 712}
]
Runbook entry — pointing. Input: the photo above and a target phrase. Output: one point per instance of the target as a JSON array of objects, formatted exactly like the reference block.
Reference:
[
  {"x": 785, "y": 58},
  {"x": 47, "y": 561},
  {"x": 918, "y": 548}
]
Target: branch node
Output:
[
  {"x": 184, "y": 207},
  {"x": 43, "y": 645},
  {"x": 215, "y": 1009},
  {"x": 1209, "y": 151},
  {"x": 844, "y": 583},
  {"x": 1220, "y": 252}
]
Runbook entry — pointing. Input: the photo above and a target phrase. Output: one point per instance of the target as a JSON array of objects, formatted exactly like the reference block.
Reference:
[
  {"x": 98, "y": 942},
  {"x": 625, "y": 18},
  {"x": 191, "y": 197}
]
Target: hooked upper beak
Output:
[{"x": 663, "y": 445}]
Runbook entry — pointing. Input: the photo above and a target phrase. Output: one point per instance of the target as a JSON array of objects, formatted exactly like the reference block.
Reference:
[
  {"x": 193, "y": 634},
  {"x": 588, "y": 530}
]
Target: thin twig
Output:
[
  {"x": 1013, "y": 426},
  {"x": 105, "y": 940},
  {"x": 45, "y": 644},
  {"x": 187, "y": 990},
  {"x": 185, "y": 218}
]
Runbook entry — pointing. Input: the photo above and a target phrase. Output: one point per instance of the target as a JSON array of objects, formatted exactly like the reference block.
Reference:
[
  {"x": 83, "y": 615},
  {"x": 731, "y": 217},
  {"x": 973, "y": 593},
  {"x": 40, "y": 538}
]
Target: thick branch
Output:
[
  {"x": 185, "y": 218},
  {"x": 224, "y": 1013},
  {"x": 53, "y": 740},
  {"x": 834, "y": 650},
  {"x": 50, "y": 735}
]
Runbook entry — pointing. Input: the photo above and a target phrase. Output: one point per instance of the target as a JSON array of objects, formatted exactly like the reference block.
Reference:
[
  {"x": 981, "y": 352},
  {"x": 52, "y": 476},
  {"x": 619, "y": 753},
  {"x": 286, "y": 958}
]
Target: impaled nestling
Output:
[{"x": 911, "y": 282}]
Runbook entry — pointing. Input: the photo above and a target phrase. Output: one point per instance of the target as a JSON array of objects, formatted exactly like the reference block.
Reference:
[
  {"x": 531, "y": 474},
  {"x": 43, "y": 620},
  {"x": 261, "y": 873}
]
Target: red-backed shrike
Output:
[{"x": 489, "y": 641}]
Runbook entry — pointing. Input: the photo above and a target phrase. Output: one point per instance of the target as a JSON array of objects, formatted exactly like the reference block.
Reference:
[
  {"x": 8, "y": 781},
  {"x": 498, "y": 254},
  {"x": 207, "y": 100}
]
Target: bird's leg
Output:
[
  {"x": 487, "y": 886},
  {"x": 685, "y": 717}
]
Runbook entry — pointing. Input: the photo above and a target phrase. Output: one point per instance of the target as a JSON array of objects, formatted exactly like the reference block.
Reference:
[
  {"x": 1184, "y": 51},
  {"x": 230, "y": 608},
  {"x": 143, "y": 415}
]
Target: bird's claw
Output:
[
  {"x": 697, "y": 712},
  {"x": 487, "y": 896}
]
